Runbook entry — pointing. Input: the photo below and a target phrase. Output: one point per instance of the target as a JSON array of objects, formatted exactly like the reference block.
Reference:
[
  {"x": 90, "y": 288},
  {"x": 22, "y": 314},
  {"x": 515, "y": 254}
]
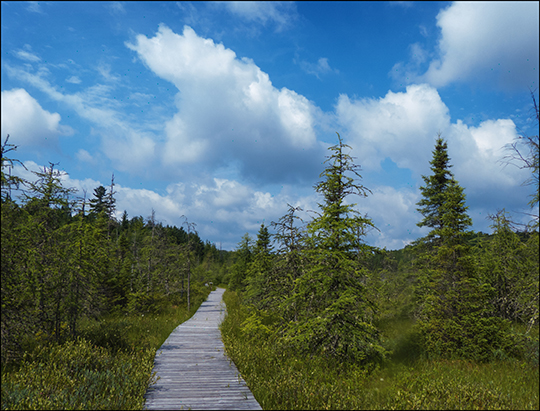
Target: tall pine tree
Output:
[{"x": 257, "y": 276}]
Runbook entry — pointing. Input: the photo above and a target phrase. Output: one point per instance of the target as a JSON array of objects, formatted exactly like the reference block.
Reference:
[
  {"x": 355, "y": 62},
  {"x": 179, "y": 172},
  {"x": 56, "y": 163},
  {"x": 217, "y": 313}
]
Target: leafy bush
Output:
[{"x": 142, "y": 302}]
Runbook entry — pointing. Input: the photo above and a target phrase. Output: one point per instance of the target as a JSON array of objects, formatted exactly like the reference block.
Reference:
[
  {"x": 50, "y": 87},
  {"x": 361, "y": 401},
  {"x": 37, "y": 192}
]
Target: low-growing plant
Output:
[
  {"x": 108, "y": 367},
  {"x": 79, "y": 375},
  {"x": 282, "y": 379}
]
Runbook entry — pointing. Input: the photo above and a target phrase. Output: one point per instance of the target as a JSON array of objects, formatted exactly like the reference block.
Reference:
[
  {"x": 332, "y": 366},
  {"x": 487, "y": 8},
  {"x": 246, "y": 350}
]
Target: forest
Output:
[
  {"x": 106, "y": 292},
  {"x": 317, "y": 318}
]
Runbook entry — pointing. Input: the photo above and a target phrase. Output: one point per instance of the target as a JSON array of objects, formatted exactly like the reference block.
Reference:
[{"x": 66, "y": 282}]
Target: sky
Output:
[{"x": 222, "y": 113}]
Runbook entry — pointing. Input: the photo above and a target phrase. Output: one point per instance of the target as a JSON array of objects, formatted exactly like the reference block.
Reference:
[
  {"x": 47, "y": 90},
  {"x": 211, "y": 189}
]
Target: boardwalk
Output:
[{"x": 195, "y": 373}]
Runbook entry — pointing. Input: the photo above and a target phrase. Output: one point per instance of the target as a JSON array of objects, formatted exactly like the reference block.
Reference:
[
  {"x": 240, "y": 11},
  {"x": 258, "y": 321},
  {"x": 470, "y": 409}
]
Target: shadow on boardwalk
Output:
[{"x": 195, "y": 373}]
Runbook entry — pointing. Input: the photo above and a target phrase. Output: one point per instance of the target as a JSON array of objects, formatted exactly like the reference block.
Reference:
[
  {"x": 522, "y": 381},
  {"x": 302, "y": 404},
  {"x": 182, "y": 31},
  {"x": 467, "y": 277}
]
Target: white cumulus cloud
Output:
[
  {"x": 490, "y": 42},
  {"x": 399, "y": 125},
  {"x": 403, "y": 127},
  {"x": 228, "y": 109},
  {"x": 27, "y": 122}
]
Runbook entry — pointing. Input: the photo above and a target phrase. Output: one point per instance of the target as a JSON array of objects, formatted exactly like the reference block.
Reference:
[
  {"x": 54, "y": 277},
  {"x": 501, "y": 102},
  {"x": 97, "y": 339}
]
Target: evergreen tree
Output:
[
  {"x": 18, "y": 313},
  {"x": 433, "y": 192},
  {"x": 289, "y": 264},
  {"x": 111, "y": 201},
  {"x": 257, "y": 276},
  {"x": 98, "y": 204},
  {"x": 334, "y": 316},
  {"x": 510, "y": 266},
  {"x": 456, "y": 319},
  {"x": 262, "y": 244},
  {"x": 238, "y": 271}
]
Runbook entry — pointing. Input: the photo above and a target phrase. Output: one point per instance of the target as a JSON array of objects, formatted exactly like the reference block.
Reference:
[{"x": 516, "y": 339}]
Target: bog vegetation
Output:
[
  {"x": 317, "y": 318},
  {"x": 86, "y": 298}
]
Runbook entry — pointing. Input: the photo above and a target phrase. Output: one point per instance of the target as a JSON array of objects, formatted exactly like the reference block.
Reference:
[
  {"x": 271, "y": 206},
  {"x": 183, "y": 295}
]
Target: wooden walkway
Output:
[{"x": 195, "y": 373}]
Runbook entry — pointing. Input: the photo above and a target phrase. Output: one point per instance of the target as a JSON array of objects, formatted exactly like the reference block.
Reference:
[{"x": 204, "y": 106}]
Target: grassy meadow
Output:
[{"x": 279, "y": 379}]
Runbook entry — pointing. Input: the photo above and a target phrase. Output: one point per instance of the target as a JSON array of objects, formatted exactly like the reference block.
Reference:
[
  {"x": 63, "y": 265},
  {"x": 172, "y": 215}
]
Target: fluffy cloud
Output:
[
  {"x": 394, "y": 214},
  {"x": 494, "y": 42},
  {"x": 223, "y": 209},
  {"x": 403, "y": 127},
  {"x": 229, "y": 111},
  {"x": 476, "y": 153},
  {"x": 27, "y": 122},
  {"x": 122, "y": 142}
]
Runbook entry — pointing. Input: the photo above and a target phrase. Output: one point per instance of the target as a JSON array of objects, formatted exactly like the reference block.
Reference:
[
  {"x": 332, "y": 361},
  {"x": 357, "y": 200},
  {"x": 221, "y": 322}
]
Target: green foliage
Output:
[
  {"x": 511, "y": 265},
  {"x": 332, "y": 314},
  {"x": 238, "y": 271},
  {"x": 86, "y": 300},
  {"x": 280, "y": 378},
  {"x": 109, "y": 367},
  {"x": 78, "y": 375},
  {"x": 60, "y": 265},
  {"x": 433, "y": 192},
  {"x": 258, "y": 272},
  {"x": 456, "y": 320}
]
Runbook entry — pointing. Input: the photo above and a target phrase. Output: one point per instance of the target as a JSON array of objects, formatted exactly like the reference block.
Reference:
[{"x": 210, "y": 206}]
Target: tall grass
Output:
[
  {"x": 280, "y": 379},
  {"x": 108, "y": 367}
]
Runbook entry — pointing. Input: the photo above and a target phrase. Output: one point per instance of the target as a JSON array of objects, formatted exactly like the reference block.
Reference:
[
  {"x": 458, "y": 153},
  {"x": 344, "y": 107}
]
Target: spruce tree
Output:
[
  {"x": 289, "y": 263},
  {"x": 455, "y": 318},
  {"x": 98, "y": 204},
  {"x": 334, "y": 315},
  {"x": 257, "y": 273},
  {"x": 434, "y": 190},
  {"x": 238, "y": 271}
]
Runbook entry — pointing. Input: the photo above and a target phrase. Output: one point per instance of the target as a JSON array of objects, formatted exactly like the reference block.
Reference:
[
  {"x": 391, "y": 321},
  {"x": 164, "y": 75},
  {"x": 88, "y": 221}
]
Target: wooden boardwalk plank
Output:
[{"x": 195, "y": 373}]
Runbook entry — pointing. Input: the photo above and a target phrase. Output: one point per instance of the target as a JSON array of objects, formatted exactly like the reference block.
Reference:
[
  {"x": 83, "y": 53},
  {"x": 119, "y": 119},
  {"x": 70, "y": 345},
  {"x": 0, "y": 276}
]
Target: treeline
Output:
[
  {"x": 317, "y": 288},
  {"x": 66, "y": 258}
]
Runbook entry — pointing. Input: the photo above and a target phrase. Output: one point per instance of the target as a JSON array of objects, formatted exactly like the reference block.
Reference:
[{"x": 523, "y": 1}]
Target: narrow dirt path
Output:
[{"x": 195, "y": 373}]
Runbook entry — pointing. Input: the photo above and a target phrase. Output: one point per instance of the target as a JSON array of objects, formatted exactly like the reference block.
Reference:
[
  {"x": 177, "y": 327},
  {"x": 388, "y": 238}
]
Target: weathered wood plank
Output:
[{"x": 194, "y": 371}]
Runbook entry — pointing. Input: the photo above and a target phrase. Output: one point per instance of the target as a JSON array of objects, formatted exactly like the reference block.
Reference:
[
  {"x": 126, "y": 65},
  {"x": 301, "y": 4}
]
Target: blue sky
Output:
[{"x": 223, "y": 111}]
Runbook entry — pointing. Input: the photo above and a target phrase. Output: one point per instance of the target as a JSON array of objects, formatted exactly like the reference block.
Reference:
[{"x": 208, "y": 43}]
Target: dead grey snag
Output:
[{"x": 194, "y": 371}]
